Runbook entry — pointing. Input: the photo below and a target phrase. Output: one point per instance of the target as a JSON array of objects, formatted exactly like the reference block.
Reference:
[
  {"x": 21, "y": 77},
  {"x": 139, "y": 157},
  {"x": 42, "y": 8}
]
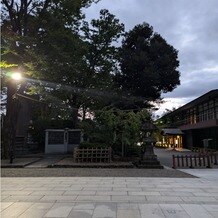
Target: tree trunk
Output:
[
  {"x": 75, "y": 110},
  {"x": 9, "y": 128}
]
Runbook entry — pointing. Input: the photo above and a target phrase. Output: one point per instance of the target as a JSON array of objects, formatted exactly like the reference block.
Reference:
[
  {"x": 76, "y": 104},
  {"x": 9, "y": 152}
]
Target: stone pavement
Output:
[{"x": 115, "y": 197}]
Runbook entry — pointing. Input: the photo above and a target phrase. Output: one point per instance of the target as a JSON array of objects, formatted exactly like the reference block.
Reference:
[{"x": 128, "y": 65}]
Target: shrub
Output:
[{"x": 92, "y": 145}]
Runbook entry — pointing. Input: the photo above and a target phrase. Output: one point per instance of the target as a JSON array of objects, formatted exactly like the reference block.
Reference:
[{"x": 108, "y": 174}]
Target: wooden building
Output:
[{"x": 197, "y": 120}]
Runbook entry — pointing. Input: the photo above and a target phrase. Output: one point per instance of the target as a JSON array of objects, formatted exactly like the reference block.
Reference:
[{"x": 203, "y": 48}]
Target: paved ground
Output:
[
  {"x": 44, "y": 162},
  {"x": 111, "y": 193},
  {"x": 115, "y": 197},
  {"x": 165, "y": 155}
]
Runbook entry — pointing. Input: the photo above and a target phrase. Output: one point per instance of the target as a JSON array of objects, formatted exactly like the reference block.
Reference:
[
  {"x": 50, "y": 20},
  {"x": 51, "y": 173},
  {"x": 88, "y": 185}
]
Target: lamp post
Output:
[{"x": 12, "y": 111}]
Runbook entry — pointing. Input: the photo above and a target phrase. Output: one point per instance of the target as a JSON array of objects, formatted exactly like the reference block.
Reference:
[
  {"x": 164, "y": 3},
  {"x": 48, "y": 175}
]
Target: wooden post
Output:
[
  {"x": 178, "y": 162},
  {"x": 208, "y": 162},
  {"x": 195, "y": 160},
  {"x": 186, "y": 158},
  {"x": 110, "y": 154},
  {"x": 204, "y": 162},
  {"x": 182, "y": 160},
  {"x": 191, "y": 165},
  {"x": 174, "y": 164},
  {"x": 215, "y": 159},
  {"x": 199, "y": 159}
]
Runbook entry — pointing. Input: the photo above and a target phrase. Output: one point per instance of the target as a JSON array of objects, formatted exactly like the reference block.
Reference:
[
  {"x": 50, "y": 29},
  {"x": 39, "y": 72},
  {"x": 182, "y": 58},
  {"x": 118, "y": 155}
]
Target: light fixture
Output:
[{"x": 16, "y": 76}]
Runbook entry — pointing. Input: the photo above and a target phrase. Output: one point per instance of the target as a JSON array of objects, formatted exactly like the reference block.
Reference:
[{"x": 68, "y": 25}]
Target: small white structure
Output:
[{"x": 62, "y": 140}]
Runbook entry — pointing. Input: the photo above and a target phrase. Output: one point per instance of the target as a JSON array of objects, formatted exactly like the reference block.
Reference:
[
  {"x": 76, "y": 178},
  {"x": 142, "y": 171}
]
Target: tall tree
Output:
[
  {"x": 148, "y": 64},
  {"x": 101, "y": 37},
  {"x": 42, "y": 37}
]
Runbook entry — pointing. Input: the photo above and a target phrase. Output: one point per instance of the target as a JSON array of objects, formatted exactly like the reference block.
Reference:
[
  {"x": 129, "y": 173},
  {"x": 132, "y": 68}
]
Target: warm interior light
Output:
[{"x": 16, "y": 76}]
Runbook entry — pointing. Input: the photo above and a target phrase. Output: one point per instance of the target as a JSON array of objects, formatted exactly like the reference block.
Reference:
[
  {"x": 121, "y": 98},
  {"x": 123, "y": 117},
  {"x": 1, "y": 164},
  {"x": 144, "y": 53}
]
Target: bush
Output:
[{"x": 92, "y": 145}]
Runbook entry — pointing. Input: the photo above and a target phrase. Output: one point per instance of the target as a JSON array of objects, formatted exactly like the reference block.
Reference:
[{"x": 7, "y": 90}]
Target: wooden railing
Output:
[
  {"x": 191, "y": 161},
  {"x": 92, "y": 155}
]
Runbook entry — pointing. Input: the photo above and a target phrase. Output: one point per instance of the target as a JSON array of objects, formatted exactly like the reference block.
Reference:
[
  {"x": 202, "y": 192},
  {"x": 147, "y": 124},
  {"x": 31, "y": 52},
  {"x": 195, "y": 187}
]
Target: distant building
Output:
[
  {"x": 194, "y": 124},
  {"x": 26, "y": 109}
]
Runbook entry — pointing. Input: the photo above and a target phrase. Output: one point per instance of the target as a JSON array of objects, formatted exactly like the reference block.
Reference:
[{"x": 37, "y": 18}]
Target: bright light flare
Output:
[{"x": 16, "y": 76}]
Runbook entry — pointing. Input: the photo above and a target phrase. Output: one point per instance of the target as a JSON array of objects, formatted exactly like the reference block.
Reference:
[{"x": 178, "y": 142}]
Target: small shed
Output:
[{"x": 62, "y": 140}]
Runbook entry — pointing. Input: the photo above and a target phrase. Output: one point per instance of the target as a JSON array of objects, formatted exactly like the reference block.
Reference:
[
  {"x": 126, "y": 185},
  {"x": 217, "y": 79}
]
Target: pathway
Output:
[{"x": 115, "y": 197}]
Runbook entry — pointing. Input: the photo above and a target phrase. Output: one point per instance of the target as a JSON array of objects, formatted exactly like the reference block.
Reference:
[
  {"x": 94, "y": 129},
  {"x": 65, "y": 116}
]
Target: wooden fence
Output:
[
  {"x": 92, "y": 155},
  {"x": 202, "y": 150},
  {"x": 191, "y": 161}
]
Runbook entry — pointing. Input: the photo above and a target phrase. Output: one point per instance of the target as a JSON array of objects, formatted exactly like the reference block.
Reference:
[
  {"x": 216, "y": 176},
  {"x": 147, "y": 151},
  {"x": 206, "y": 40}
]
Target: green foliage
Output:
[
  {"x": 92, "y": 145},
  {"x": 72, "y": 64},
  {"x": 115, "y": 128}
]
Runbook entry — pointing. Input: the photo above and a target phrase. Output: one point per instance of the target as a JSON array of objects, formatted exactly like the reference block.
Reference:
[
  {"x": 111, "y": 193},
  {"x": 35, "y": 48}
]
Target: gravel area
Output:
[
  {"x": 93, "y": 172},
  {"x": 69, "y": 162}
]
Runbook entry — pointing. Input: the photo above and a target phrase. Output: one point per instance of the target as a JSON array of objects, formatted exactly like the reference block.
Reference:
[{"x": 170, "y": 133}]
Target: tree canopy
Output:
[
  {"x": 148, "y": 64},
  {"x": 80, "y": 64}
]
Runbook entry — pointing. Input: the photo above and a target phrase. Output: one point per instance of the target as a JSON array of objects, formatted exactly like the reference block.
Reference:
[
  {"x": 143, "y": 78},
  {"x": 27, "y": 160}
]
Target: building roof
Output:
[
  {"x": 172, "y": 132},
  {"x": 201, "y": 99}
]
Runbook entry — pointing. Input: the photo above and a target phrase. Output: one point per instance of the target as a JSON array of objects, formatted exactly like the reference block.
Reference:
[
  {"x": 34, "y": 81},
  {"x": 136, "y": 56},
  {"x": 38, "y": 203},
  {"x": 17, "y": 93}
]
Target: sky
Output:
[{"x": 190, "y": 26}]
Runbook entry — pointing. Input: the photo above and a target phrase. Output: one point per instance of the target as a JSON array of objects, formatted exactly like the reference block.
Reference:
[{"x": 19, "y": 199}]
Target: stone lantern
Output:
[{"x": 148, "y": 158}]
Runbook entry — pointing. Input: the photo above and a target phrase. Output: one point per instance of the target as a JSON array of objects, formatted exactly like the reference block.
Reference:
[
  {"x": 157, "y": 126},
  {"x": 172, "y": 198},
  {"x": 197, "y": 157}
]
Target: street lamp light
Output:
[{"x": 17, "y": 76}]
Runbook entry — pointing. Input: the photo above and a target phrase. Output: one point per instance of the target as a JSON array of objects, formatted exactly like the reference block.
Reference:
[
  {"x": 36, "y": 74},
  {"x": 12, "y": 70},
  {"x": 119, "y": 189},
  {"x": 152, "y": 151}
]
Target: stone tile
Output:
[
  {"x": 211, "y": 207},
  {"x": 196, "y": 190},
  {"x": 12, "y": 188},
  {"x": 211, "y": 190},
  {"x": 58, "y": 198},
  {"x": 144, "y": 193},
  {"x": 97, "y": 189},
  {"x": 135, "y": 198},
  {"x": 15, "y": 209},
  {"x": 80, "y": 193},
  {"x": 38, "y": 192},
  {"x": 96, "y": 198},
  {"x": 70, "y": 188},
  {"x": 16, "y": 192},
  {"x": 173, "y": 210},
  {"x": 151, "y": 211},
  {"x": 81, "y": 214},
  {"x": 177, "y": 193},
  {"x": 37, "y": 188},
  {"x": 4, "y": 205},
  {"x": 84, "y": 206},
  {"x": 59, "y": 210},
  {"x": 128, "y": 214},
  {"x": 206, "y": 194},
  {"x": 197, "y": 211},
  {"x": 105, "y": 210},
  {"x": 160, "y": 199},
  {"x": 128, "y": 189},
  {"x": 214, "y": 214},
  {"x": 3, "y": 197},
  {"x": 111, "y": 193},
  {"x": 127, "y": 206},
  {"x": 156, "y": 189},
  {"x": 199, "y": 199},
  {"x": 67, "y": 189},
  {"x": 36, "y": 210},
  {"x": 27, "y": 198}
]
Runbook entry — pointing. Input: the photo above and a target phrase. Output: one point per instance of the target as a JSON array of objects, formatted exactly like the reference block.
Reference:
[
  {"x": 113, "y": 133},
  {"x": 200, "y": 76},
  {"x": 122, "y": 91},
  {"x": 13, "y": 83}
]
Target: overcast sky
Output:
[{"x": 191, "y": 26}]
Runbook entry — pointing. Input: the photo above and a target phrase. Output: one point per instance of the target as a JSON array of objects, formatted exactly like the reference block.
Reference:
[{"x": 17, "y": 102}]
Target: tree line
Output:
[{"x": 78, "y": 66}]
